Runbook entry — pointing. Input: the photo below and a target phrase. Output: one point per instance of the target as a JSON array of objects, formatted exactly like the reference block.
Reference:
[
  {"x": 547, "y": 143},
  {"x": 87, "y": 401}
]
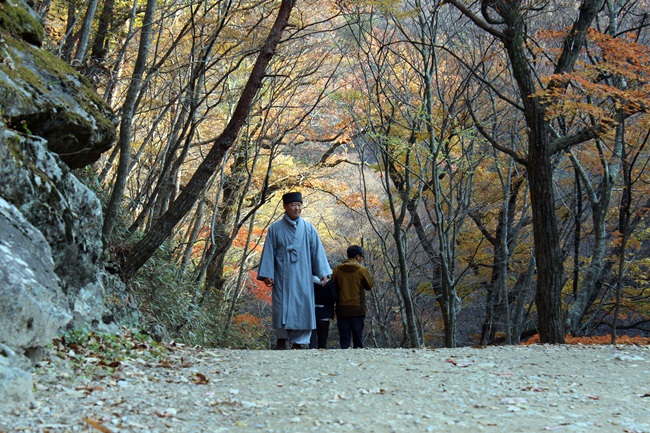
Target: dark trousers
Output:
[
  {"x": 319, "y": 335},
  {"x": 351, "y": 328}
]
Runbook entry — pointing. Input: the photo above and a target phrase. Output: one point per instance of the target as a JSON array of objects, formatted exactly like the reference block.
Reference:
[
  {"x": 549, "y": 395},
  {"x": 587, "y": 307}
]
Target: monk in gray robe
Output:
[{"x": 292, "y": 254}]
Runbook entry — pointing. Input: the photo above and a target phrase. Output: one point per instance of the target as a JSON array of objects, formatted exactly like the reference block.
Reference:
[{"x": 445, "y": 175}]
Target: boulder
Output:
[
  {"x": 42, "y": 95},
  {"x": 63, "y": 209},
  {"x": 15, "y": 382},
  {"x": 33, "y": 308},
  {"x": 51, "y": 269}
]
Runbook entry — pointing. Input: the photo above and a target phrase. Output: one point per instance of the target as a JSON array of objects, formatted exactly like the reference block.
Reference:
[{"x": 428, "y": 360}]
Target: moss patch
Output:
[
  {"x": 18, "y": 22},
  {"x": 41, "y": 94},
  {"x": 44, "y": 75}
]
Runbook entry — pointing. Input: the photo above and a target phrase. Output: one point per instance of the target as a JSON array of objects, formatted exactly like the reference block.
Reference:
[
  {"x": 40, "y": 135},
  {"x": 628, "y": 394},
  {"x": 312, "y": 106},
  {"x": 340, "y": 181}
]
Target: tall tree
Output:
[
  {"x": 84, "y": 33},
  {"x": 162, "y": 228},
  {"x": 507, "y": 22},
  {"x": 128, "y": 109}
]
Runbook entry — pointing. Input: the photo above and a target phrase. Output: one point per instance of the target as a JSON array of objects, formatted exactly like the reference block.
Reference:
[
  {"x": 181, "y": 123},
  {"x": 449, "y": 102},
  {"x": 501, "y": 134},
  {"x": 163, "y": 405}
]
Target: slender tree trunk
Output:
[
  {"x": 193, "y": 235},
  {"x": 86, "y": 29},
  {"x": 577, "y": 231},
  {"x": 409, "y": 308},
  {"x": 502, "y": 282},
  {"x": 67, "y": 45},
  {"x": 163, "y": 227},
  {"x": 524, "y": 294},
  {"x": 98, "y": 50},
  {"x": 116, "y": 72},
  {"x": 128, "y": 110},
  {"x": 240, "y": 279},
  {"x": 600, "y": 204},
  {"x": 623, "y": 228}
]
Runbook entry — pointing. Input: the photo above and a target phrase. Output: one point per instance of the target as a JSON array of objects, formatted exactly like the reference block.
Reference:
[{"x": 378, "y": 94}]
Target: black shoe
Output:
[{"x": 281, "y": 344}]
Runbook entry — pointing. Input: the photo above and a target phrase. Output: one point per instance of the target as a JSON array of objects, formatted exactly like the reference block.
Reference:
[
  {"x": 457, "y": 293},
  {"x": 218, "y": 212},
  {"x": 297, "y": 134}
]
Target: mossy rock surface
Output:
[
  {"x": 21, "y": 22},
  {"x": 44, "y": 96}
]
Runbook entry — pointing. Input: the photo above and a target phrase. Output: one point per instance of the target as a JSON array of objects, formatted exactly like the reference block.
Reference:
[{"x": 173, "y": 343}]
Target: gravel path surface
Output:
[{"x": 497, "y": 389}]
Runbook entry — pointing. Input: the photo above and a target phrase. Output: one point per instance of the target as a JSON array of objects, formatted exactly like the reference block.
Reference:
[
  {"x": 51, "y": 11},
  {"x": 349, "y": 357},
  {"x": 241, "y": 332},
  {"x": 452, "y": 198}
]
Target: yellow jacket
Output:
[{"x": 352, "y": 280}]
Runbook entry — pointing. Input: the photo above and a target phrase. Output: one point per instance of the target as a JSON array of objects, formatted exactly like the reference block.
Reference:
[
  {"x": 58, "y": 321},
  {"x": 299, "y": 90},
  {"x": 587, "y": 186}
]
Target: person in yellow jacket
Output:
[{"x": 352, "y": 281}]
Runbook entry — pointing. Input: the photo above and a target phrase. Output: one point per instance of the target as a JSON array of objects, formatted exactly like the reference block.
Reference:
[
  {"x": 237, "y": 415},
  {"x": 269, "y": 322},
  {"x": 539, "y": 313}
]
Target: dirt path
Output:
[{"x": 498, "y": 389}]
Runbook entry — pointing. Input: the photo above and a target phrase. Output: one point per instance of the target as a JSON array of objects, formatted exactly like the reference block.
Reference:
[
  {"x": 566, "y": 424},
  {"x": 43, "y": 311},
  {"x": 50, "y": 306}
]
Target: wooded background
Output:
[{"x": 489, "y": 156}]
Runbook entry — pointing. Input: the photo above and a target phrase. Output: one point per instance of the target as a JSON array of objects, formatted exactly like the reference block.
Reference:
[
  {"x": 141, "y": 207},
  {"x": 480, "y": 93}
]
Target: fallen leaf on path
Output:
[
  {"x": 90, "y": 389},
  {"x": 113, "y": 364},
  {"x": 97, "y": 424},
  {"x": 168, "y": 413},
  {"x": 200, "y": 379},
  {"x": 534, "y": 389}
]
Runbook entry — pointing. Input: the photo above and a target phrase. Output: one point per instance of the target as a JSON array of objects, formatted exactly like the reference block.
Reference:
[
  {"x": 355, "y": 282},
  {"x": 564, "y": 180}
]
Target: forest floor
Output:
[{"x": 497, "y": 389}]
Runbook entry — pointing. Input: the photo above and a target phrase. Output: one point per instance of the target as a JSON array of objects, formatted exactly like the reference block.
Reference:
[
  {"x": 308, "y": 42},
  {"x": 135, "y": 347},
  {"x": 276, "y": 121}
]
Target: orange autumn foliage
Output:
[
  {"x": 246, "y": 320},
  {"x": 595, "y": 340},
  {"x": 620, "y": 57},
  {"x": 248, "y": 325},
  {"x": 259, "y": 290}
]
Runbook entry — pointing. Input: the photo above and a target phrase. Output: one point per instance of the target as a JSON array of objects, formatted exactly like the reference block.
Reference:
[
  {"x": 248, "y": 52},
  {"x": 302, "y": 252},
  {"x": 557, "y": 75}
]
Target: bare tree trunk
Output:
[
  {"x": 409, "y": 308},
  {"x": 498, "y": 298},
  {"x": 547, "y": 242},
  {"x": 524, "y": 294},
  {"x": 193, "y": 235},
  {"x": 86, "y": 29},
  {"x": 240, "y": 279},
  {"x": 623, "y": 227},
  {"x": 162, "y": 229},
  {"x": 128, "y": 109},
  {"x": 116, "y": 72},
  {"x": 67, "y": 45},
  {"x": 98, "y": 50},
  {"x": 542, "y": 143},
  {"x": 626, "y": 223},
  {"x": 600, "y": 202}
]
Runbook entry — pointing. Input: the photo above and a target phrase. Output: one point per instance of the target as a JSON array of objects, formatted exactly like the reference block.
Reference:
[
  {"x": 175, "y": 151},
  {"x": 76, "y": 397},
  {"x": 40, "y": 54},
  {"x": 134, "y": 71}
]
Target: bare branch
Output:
[{"x": 475, "y": 19}]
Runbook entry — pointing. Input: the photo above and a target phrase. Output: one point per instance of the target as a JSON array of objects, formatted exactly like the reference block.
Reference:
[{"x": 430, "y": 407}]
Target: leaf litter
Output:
[{"x": 174, "y": 388}]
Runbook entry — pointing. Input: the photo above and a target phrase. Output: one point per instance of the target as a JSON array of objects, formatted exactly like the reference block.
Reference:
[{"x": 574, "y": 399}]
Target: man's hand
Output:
[
  {"x": 268, "y": 281},
  {"x": 324, "y": 280}
]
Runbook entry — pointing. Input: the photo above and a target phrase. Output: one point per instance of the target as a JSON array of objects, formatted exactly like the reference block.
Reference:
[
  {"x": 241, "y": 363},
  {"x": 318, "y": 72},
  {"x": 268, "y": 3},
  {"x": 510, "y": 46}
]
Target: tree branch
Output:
[
  {"x": 478, "y": 21},
  {"x": 567, "y": 141},
  {"x": 521, "y": 160}
]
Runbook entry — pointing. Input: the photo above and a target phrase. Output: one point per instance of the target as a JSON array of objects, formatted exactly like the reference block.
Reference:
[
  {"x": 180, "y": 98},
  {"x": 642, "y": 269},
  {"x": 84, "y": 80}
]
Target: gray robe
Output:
[{"x": 292, "y": 254}]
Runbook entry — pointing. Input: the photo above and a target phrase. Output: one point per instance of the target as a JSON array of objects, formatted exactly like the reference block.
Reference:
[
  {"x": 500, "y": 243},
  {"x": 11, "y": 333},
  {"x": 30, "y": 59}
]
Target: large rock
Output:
[
  {"x": 33, "y": 308},
  {"x": 42, "y": 95},
  {"x": 51, "y": 270},
  {"x": 66, "y": 212},
  {"x": 15, "y": 382}
]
